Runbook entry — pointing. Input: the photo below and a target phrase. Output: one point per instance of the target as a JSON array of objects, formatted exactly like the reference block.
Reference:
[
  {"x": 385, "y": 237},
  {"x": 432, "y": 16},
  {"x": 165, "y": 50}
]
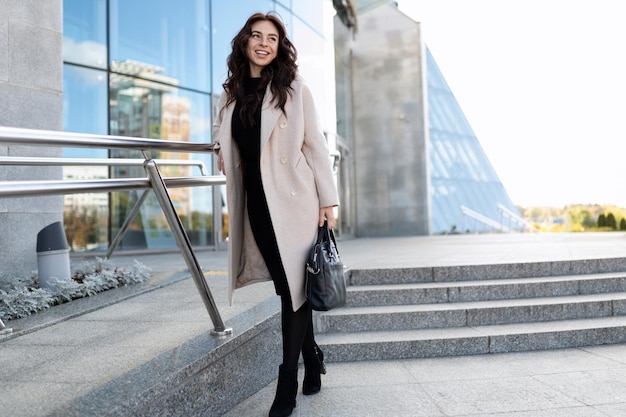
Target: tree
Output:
[
  {"x": 81, "y": 227},
  {"x": 622, "y": 224},
  {"x": 580, "y": 218},
  {"x": 602, "y": 220},
  {"x": 588, "y": 220},
  {"x": 611, "y": 222}
]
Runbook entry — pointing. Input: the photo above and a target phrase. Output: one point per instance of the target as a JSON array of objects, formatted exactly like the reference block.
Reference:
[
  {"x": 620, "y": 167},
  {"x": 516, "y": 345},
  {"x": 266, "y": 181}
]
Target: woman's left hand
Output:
[{"x": 328, "y": 214}]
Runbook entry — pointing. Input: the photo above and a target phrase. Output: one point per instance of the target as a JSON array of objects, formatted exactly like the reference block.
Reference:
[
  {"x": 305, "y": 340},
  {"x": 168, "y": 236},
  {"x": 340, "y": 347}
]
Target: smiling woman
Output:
[
  {"x": 262, "y": 46},
  {"x": 279, "y": 186}
]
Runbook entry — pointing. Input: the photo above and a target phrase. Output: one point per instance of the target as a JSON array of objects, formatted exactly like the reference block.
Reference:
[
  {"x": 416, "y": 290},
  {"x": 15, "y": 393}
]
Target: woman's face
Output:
[{"x": 262, "y": 46}]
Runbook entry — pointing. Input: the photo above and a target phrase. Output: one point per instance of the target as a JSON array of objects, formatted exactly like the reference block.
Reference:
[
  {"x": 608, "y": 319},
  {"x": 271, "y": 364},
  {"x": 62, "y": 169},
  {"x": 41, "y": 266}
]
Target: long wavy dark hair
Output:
[{"x": 280, "y": 72}]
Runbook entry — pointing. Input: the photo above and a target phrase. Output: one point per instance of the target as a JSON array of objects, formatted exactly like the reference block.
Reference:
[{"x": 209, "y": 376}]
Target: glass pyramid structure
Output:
[{"x": 466, "y": 193}]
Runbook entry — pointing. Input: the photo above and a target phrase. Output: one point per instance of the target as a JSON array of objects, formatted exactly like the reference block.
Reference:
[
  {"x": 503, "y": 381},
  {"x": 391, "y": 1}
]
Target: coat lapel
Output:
[{"x": 269, "y": 116}]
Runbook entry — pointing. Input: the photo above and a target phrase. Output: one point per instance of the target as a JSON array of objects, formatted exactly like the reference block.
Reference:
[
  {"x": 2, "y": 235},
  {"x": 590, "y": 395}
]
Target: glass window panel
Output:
[
  {"x": 85, "y": 216},
  {"x": 311, "y": 63},
  {"x": 84, "y": 106},
  {"x": 155, "y": 110},
  {"x": 84, "y": 32},
  {"x": 480, "y": 171},
  {"x": 444, "y": 159},
  {"x": 284, "y": 4},
  {"x": 448, "y": 114},
  {"x": 470, "y": 198},
  {"x": 461, "y": 173},
  {"x": 172, "y": 40},
  {"x": 469, "y": 168},
  {"x": 435, "y": 113},
  {"x": 287, "y": 18},
  {"x": 445, "y": 120},
  {"x": 226, "y": 22},
  {"x": 311, "y": 12},
  {"x": 440, "y": 159}
]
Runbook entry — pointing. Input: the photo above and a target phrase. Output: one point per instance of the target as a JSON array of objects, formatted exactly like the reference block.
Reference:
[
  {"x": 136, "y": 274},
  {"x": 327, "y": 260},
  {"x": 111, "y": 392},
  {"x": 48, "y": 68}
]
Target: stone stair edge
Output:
[
  {"x": 476, "y": 340},
  {"x": 466, "y": 272},
  {"x": 486, "y": 282},
  {"x": 465, "y": 331},
  {"x": 465, "y": 305},
  {"x": 492, "y": 312}
]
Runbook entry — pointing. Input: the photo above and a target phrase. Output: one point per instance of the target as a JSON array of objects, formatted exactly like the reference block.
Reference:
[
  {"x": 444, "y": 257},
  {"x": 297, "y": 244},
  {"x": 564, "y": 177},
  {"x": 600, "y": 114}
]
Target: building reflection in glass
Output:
[{"x": 145, "y": 103}]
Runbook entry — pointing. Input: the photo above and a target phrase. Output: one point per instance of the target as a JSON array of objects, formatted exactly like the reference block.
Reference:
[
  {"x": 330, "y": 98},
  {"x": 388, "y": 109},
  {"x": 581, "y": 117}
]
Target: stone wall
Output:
[{"x": 31, "y": 87}]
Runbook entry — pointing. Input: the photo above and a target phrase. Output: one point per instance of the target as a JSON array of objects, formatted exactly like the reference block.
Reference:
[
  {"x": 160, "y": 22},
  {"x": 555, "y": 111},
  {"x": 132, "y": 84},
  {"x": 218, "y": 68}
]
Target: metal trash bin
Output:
[{"x": 53, "y": 255}]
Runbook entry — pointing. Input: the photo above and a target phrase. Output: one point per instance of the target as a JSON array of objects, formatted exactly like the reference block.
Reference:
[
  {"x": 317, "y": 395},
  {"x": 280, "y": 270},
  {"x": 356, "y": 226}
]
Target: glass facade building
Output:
[
  {"x": 466, "y": 193},
  {"x": 419, "y": 168},
  {"x": 154, "y": 68}
]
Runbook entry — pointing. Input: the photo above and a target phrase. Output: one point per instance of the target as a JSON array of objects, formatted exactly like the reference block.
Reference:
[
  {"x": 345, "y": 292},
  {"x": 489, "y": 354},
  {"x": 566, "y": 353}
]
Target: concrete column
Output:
[
  {"x": 31, "y": 87},
  {"x": 386, "y": 123}
]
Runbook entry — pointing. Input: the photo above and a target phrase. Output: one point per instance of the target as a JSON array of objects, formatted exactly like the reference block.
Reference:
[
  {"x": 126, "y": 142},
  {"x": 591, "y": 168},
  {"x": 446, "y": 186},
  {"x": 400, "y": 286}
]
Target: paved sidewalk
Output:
[
  {"x": 587, "y": 382},
  {"x": 132, "y": 325}
]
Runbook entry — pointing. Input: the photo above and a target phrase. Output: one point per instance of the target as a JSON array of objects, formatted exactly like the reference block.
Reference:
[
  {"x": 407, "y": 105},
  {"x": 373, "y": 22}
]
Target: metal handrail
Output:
[
  {"x": 514, "y": 217},
  {"x": 41, "y": 188},
  {"x": 484, "y": 219},
  {"x": 34, "y": 137},
  {"x": 154, "y": 182},
  {"x": 4, "y": 329},
  {"x": 45, "y": 161}
]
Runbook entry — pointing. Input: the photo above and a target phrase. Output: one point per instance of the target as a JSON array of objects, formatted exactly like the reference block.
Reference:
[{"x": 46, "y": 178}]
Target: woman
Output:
[{"x": 279, "y": 187}]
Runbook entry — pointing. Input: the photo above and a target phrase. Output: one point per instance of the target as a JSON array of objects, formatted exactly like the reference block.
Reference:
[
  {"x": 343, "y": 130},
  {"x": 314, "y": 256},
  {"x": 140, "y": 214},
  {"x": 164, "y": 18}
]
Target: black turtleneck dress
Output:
[{"x": 248, "y": 140}]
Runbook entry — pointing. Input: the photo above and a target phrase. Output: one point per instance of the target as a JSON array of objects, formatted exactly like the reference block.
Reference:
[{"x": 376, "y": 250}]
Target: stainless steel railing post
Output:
[
  {"x": 155, "y": 182},
  {"x": 160, "y": 190},
  {"x": 4, "y": 329}
]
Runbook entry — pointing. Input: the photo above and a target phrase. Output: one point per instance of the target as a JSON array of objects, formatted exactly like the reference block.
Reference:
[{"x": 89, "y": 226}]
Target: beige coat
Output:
[{"x": 297, "y": 180}]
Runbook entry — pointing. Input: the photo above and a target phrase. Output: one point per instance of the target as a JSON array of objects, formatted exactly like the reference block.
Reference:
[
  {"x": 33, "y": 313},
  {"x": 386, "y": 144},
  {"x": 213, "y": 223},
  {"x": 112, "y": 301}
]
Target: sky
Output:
[{"x": 543, "y": 85}]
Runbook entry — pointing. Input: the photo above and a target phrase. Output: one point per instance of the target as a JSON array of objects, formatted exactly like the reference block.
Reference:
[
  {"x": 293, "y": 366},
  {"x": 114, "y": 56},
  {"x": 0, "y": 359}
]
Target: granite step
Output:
[
  {"x": 479, "y": 290},
  {"x": 485, "y": 271},
  {"x": 473, "y": 313},
  {"x": 476, "y": 309},
  {"x": 471, "y": 340}
]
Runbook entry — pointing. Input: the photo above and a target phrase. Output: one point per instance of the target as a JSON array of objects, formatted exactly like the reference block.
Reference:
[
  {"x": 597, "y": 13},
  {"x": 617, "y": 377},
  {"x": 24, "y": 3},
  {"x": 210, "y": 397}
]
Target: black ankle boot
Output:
[
  {"x": 286, "y": 391},
  {"x": 313, "y": 368}
]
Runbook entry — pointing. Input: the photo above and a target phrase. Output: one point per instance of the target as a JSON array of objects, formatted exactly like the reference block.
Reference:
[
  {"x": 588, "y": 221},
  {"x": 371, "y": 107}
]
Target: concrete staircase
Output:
[{"x": 476, "y": 309}]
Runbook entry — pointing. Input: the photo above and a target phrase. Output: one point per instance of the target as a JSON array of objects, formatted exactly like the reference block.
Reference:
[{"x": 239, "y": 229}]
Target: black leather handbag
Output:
[{"x": 325, "y": 284}]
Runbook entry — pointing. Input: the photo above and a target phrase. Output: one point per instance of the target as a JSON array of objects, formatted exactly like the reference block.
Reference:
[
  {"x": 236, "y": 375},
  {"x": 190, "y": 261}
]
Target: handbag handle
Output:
[
  {"x": 328, "y": 238},
  {"x": 324, "y": 236}
]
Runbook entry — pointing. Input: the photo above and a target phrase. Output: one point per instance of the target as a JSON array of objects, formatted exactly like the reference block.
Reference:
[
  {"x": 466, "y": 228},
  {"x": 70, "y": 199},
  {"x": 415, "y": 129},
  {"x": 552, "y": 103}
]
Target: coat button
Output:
[
  {"x": 283, "y": 125},
  {"x": 283, "y": 160},
  {"x": 293, "y": 193}
]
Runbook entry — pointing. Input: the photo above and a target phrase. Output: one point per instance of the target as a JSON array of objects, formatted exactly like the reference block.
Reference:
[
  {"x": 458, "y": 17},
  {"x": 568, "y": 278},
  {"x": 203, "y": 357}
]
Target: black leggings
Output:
[{"x": 297, "y": 328}]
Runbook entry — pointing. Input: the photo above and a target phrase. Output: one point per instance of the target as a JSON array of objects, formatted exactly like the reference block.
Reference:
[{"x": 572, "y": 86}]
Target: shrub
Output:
[{"x": 24, "y": 297}]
